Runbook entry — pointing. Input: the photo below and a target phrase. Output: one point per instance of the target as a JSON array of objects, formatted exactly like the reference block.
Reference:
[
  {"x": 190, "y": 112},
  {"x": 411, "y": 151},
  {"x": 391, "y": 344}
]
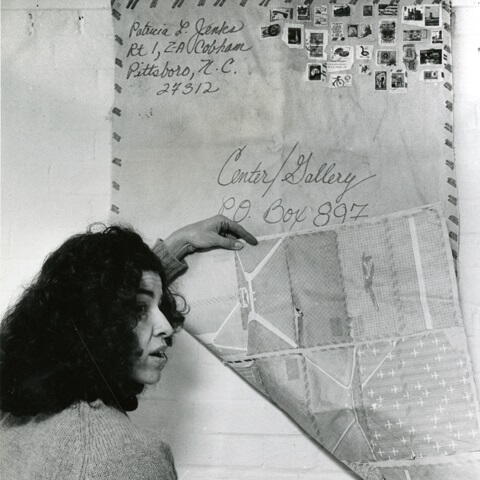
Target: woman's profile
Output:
[{"x": 81, "y": 344}]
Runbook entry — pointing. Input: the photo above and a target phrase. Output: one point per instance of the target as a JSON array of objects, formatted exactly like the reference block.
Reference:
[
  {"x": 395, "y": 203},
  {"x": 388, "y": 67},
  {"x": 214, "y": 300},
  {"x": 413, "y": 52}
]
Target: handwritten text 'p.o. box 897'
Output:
[
  {"x": 283, "y": 116},
  {"x": 297, "y": 116}
]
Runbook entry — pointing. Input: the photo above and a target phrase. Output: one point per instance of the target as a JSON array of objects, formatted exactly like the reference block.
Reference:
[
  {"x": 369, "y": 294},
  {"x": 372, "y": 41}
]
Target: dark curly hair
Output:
[{"x": 70, "y": 335}]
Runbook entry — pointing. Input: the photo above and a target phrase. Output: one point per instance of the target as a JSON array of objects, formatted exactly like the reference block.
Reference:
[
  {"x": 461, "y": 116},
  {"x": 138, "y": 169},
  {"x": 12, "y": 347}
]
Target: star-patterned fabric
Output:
[{"x": 356, "y": 333}]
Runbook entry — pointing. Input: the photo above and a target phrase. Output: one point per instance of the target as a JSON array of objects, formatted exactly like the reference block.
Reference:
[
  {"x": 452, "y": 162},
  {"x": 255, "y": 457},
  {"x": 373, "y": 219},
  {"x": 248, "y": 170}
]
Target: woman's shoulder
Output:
[
  {"x": 116, "y": 426},
  {"x": 118, "y": 445},
  {"x": 92, "y": 438}
]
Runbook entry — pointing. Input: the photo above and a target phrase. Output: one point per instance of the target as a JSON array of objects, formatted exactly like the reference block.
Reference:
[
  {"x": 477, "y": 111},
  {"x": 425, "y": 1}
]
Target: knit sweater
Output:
[
  {"x": 87, "y": 441},
  {"x": 83, "y": 442}
]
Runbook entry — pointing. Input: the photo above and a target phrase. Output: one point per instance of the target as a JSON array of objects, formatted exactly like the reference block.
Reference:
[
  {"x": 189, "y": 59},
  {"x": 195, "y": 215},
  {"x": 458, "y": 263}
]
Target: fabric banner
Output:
[
  {"x": 354, "y": 331},
  {"x": 294, "y": 117}
]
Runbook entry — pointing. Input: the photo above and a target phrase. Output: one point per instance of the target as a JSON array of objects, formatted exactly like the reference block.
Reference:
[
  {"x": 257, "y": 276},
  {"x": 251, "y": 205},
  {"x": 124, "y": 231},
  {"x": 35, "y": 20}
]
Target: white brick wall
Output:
[
  {"x": 57, "y": 78},
  {"x": 56, "y": 86}
]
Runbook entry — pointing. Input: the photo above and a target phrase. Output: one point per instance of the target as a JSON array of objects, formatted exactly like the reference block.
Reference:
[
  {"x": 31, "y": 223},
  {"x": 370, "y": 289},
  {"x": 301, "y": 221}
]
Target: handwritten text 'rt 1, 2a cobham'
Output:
[
  {"x": 190, "y": 57},
  {"x": 296, "y": 169}
]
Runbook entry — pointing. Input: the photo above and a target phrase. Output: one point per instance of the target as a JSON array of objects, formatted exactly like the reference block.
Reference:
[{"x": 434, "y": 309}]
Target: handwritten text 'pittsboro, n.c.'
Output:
[{"x": 182, "y": 56}]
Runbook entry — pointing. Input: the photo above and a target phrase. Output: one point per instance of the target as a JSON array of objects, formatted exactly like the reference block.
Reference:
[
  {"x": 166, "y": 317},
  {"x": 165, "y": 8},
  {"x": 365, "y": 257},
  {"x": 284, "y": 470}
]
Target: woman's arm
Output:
[{"x": 214, "y": 232}]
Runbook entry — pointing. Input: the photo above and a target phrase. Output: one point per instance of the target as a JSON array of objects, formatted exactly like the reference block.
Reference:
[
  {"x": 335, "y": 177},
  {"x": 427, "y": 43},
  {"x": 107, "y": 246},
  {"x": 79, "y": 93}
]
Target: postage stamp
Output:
[
  {"x": 278, "y": 14},
  {"x": 365, "y": 30},
  {"x": 413, "y": 15},
  {"x": 433, "y": 15},
  {"x": 398, "y": 80},
  {"x": 431, "y": 56},
  {"x": 432, "y": 75},
  {"x": 387, "y": 57},
  {"x": 342, "y": 10},
  {"x": 388, "y": 9},
  {"x": 304, "y": 13},
  {"x": 341, "y": 58},
  {"x": 380, "y": 80},
  {"x": 367, "y": 10},
  {"x": 437, "y": 36},
  {"x": 316, "y": 37},
  {"x": 387, "y": 32},
  {"x": 416, "y": 35},
  {"x": 343, "y": 52},
  {"x": 352, "y": 31},
  {"x": 364, "y": 69},
  {"x": 339, "y": 80},
  {"x": 410, "y": 57},
  {"x": 272, "y": 30},
  {"x": 317, "y": 51},
  {"x": 317, "y": 72},
  {"x": 293, "y": 35},
  {"x": 364, "y": 52},
  {"x": 320, "y": 15},
  {"x": 337, "y": 31}
]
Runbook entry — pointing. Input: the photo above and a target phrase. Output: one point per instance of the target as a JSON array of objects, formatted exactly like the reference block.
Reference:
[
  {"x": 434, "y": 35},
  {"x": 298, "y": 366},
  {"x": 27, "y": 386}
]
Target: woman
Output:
[{"x": 80, "y": 345}]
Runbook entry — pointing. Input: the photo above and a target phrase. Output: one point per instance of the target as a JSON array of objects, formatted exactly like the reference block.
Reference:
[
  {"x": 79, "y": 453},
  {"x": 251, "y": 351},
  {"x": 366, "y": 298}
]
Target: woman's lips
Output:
[
  {"x": 159, "y": 352},
  {"x": 159, "y": 356}
]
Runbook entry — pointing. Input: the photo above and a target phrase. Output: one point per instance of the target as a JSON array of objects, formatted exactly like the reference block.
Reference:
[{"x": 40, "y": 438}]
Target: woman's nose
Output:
[{"x": 161, "y": 325}]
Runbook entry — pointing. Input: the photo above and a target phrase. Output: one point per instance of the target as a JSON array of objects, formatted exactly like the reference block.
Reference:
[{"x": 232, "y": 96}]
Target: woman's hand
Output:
[{"x": 214, "y": 232}]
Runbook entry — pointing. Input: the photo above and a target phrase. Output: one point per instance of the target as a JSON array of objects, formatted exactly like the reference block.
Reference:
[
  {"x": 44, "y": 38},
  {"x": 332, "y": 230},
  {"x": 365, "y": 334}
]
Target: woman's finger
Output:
[
  {"x": 236, "y": 229},
  {"x": 229, "y": 243}
]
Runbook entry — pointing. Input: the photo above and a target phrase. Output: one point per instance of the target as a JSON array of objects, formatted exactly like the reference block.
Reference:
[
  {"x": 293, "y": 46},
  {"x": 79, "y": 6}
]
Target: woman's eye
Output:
[{"x": 142, "y": 310}]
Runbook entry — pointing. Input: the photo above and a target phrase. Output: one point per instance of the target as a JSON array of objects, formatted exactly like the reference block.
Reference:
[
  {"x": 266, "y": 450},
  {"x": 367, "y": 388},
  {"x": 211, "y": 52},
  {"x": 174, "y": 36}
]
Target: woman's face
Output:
[{"x": 152, "y": 330}]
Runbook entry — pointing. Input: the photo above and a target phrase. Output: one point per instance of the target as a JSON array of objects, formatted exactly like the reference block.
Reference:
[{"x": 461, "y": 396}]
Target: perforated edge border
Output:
[{"x": 451, "y": 202}]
